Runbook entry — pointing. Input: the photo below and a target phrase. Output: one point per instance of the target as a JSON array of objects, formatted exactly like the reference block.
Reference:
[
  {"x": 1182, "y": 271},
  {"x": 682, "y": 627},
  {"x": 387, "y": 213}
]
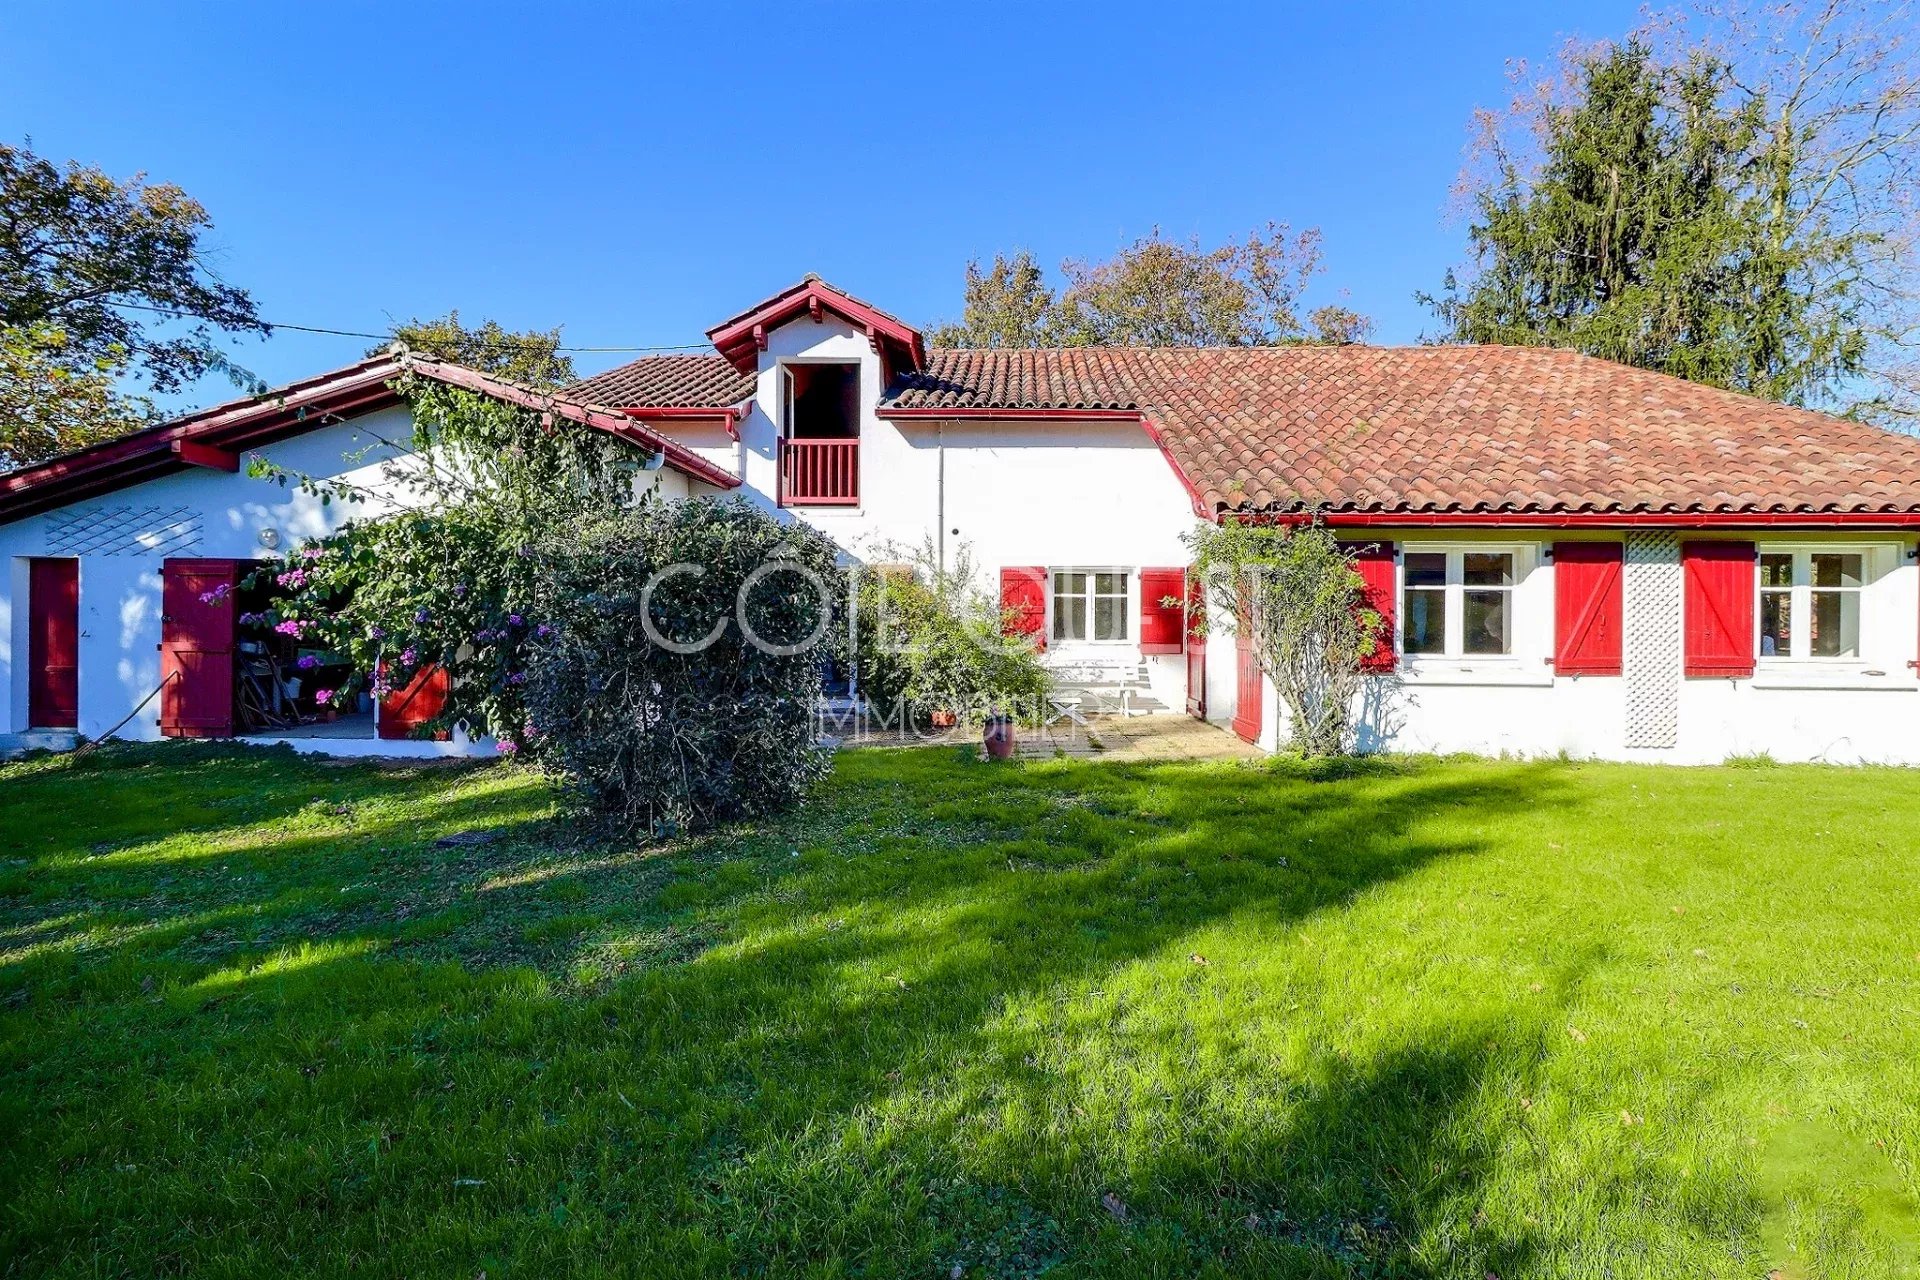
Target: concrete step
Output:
[{"x": 14, "y": 745}]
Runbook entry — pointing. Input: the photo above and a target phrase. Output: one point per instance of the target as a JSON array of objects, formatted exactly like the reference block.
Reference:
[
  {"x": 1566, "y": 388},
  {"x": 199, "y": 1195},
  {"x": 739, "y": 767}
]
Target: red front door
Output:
[
  {"x": 1246, "y": 701},
  {"x": 197, "y": 631},
  {"x": 53, "y": 644}
]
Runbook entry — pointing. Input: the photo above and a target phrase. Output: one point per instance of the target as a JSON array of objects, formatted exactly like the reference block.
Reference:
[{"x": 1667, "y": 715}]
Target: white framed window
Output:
[
  {"x": 1091, "y": 605},
  {"x": 1810, "y": 601},
  {"x": 1458, "y": 602}
]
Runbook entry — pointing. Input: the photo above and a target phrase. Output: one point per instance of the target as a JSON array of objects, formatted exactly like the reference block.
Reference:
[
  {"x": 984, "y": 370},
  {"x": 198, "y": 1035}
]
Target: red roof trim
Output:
[
  {"x": 1600, "y": 519},
  {"x": 291, "y": 410},
  {"x": 742, "y": 338},
  {"x": 728, "y": 416}
]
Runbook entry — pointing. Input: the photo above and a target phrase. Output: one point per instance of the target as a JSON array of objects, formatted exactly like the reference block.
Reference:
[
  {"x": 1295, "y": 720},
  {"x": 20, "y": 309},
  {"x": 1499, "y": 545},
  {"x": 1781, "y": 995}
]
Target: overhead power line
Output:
[{"x": 506, "y": 341}]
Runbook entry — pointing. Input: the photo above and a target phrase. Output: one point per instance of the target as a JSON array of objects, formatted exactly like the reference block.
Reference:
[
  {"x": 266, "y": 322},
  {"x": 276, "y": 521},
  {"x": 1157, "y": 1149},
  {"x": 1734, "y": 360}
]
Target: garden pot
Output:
[
  {"x": 998, "y": 738},
  {"x": 944, "y": 719}
]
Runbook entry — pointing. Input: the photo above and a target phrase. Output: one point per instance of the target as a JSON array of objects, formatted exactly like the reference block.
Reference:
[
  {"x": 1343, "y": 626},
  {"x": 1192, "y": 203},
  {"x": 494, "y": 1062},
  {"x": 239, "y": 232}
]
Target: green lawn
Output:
[{"x": 1439, "y": 1018}]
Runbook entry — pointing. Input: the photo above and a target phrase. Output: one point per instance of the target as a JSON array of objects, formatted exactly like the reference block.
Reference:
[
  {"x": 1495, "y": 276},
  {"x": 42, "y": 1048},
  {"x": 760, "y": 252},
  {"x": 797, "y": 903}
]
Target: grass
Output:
[{"x": 1427, "y": 1018}]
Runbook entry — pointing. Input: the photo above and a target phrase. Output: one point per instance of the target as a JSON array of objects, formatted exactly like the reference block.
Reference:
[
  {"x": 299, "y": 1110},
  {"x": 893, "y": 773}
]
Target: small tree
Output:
[
  {"x": 676, "y": 688},
  {"x": 1312, "y": 630},
  {"x": 930, "y": 638}
]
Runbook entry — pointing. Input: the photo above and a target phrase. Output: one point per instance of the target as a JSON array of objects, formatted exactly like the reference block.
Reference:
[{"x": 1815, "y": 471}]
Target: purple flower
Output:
[
  {"x": 291, "y": 627},
  {"x": 376, "y": 633},
  {"x": 459, "y": 589},
  {"x": 507, "y": 746},
  {"x": 542, "y": 631},
  {"x": 252, "y": 619},
  {"x": 215, "y": 596},
  {"x": 515, "y": 620},
  {"x": 421, "y": 616},
  {"x": 293, "y": 580},
  {"x": 408, "y": 657},
  {"x": 323, "y": 696},
  {"x": 516, "y": 677},
  {"x": 307, "y": 662},
  {"x": 312, "y": 553}
]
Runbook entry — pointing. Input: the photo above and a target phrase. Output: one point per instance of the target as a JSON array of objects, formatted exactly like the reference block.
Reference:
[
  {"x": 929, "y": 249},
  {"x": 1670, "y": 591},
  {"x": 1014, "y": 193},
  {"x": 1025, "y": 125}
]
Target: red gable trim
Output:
[
  {"x": 742, "y": 338},
  {"x": 728, "y": 416},
  {"x": 296, "y": 408}
]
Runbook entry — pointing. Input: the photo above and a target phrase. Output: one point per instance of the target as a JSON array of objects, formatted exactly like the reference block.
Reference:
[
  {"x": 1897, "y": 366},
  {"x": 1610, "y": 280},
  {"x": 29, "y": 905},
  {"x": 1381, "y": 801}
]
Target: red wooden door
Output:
[
  {"x": 196, "y": 647},
  {"x": 1246, "y": 702},
  {"x": 53, "y": 644}
]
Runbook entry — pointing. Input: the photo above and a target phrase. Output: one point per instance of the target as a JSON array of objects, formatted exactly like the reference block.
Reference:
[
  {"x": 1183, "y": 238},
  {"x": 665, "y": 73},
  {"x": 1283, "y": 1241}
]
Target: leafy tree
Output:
[
  {"x": 1721, "y": 197},
  {"x": 1312, "y": 629},
  {"x": 532, "y": 358},
  {"x": 51, "y": 403},
  {"x": 1157, "y": 292},
  {"x": 1007, "y": 305},
  {"x": 98, "y": 278}
]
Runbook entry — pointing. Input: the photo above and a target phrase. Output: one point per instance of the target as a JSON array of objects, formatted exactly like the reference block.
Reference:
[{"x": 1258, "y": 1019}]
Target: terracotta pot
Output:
[
  {"x": 945, "y": 719},
  {"x": 998, "y": 738}
]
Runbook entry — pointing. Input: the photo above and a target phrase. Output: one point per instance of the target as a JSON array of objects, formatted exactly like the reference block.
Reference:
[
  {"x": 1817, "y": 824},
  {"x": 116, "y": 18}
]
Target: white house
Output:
[{"x": 1573, "y": 556}]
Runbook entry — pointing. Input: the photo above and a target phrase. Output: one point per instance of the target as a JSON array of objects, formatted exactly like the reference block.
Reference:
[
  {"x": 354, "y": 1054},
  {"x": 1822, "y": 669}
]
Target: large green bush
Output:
[{"x": 676, "y": 689}]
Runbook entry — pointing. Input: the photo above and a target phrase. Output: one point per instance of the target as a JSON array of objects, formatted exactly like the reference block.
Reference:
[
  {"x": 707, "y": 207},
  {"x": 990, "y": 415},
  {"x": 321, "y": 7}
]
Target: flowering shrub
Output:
[
  {"x": 451, "y": 582},
  {"x": 674, "y": 688}
]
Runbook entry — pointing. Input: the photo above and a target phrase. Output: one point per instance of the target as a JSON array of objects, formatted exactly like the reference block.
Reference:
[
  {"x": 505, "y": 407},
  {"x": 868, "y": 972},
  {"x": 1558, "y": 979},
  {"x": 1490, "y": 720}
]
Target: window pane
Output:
[
  {"x": 1069, "y": 583},
  {"x": 1110, "y": 583},
  {"x": 1426, "y": 568},
  {"x": 1109, "y": 618},
  {"x": 1484, "y": 614},
  {"x": 1831, "y": 570},
  {"x": 1070, "y": 618},
  {"x": 1776, "y": 624},
  {"x": 1835, "y": 632},
  {"x": 1488, "y": 569},
  {"x": 1776, "y": 571},
  {"x": 1425, "y": 620}
]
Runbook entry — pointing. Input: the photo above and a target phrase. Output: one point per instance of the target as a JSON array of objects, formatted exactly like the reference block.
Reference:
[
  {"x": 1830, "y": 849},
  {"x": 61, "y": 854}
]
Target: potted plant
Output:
[{"x": 998, "y": 736}]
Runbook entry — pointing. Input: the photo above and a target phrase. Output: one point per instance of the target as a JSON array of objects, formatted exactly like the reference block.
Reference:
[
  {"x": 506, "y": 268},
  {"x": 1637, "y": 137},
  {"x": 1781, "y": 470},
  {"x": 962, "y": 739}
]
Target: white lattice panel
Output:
[
  {"x": 123, "y": 531},
  {"x": 1654, "y": 588}
]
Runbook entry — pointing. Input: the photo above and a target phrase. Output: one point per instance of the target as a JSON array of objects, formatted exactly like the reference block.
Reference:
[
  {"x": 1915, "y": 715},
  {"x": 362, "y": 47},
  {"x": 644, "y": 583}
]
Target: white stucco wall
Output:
[
  {"x": 1839, "y": 711},
  {"x": 191, "y": 513},
  {"x": 1053, "y": 494}
]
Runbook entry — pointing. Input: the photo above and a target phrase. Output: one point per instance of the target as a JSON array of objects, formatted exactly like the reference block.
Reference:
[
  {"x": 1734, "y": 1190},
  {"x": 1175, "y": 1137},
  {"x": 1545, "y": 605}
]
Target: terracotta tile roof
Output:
[
  {"x": 667, "y": 382},
  {"x": 1446, "y": 429}
]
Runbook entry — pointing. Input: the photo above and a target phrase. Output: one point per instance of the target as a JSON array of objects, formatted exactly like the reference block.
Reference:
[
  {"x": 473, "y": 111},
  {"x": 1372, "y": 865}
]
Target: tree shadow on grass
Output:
[{"x": 866, "y": 1052}]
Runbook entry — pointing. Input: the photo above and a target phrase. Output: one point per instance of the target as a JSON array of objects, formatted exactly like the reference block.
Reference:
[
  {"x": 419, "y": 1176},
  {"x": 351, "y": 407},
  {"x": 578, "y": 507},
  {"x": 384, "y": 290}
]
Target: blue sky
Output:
[{"x": 636, "y": 173}]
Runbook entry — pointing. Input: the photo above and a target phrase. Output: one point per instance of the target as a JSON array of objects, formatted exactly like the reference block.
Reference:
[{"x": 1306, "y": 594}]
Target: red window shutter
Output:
[
  {"x": 1023, "y": 596},
  {"x": 1719, "y": 607},
  {"x": 1162, "y": 625},
  {"x": 1589, "y": 611},
  {"x": 1373, "y": 561}
]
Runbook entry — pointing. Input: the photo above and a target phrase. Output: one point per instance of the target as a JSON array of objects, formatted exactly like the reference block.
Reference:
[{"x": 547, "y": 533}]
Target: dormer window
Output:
[
  {"x": 821, "y": 401},
  {"x": 820, "y": 425}
]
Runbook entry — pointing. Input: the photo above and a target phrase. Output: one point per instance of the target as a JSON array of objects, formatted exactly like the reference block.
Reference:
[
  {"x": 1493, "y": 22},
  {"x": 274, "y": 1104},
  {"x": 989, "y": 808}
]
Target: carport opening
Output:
[{"x": 279, "y": 676}]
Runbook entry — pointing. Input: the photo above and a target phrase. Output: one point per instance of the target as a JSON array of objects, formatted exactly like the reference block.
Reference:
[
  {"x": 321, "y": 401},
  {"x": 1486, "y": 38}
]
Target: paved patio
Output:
[{"x": 1155, "y": 737}]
